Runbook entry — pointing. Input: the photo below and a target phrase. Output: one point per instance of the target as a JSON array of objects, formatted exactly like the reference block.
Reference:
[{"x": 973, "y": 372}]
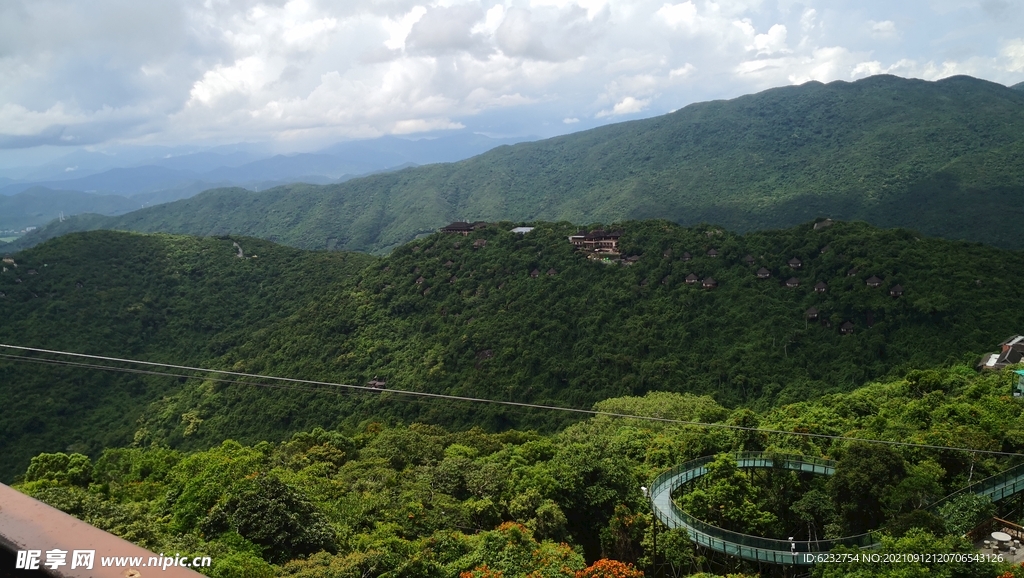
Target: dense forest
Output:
[
  {"x": 420, "y": 500},
  {"x": 943, "y": 157},
  {"x": 836, "y": 329},
  {"x": 494, "y": 315}
]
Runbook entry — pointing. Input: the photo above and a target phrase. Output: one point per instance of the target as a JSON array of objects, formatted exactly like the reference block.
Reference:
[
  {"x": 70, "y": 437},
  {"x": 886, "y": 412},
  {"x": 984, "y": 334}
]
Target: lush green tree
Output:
[
  {"x": 74, "y": 469},
  {"x": 865, "y": 478}
]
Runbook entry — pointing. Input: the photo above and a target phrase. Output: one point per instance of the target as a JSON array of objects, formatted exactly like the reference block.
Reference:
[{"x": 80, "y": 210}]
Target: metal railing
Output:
[
  {"x": 746, "y": 546},
  {"x": 760, "y": 549}
]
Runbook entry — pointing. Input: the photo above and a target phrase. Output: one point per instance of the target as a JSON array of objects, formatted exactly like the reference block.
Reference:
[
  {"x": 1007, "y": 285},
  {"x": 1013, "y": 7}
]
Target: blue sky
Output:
[{"x": 305, "y": 73}]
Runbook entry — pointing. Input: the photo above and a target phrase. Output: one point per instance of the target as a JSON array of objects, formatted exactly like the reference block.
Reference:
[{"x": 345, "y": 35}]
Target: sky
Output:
[{"x": 307, "y": 73}]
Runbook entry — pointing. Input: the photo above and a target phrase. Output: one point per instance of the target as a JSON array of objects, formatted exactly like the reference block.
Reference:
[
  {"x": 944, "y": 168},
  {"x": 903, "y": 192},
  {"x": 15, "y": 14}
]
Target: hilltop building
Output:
[
  {"x": 1010, "y": 352},
  {"x": 598, "y": 241}
]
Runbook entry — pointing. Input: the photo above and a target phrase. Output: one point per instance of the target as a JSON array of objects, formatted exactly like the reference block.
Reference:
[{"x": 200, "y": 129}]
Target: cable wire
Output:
[{"x": 295, "y": 384}]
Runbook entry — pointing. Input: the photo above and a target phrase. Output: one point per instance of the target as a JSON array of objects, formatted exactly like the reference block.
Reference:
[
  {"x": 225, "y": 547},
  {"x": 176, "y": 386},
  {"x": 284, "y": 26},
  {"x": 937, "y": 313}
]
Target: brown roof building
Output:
[
  {"x": 763, "y": 273},
  {"x": 896, "y": 290},
  {"x": 821, "y": 287},
  {"x": 792, "y": 282},
  {"x": 874, "y": 281},
  {"x": 794, "y": 263},
  {"x": 691, "y": 279},
  {"x": 709, "y": 283},
  {"x": 598, "y": 240}
]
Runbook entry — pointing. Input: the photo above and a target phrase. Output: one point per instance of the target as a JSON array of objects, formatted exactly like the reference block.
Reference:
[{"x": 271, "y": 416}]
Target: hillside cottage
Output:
[
  {"x": 896, "y": 291},
  {"x": 713, "y": 253},
  {"x": 535, "y": 273},
  {"x": 1011, "y": 351},
  {"x": 846, "y": 328},
  {"x": 552, "y": 272},
  {"x": 749, "y": 259},
  {"x": 874, "y": 281},
  {"x": 811, "y": 313},
  {"x": 687, "y": 256},
  {"x": 792, "y": 282},
  {"x": 709, "y": 283},
  {"x": 794, "y": 263},
  {"x": 821, "y": 287},
  {"x": 852, "y": 272},
  {"x": 763, "y": 273},
  {"x": 691, "y": 279}
]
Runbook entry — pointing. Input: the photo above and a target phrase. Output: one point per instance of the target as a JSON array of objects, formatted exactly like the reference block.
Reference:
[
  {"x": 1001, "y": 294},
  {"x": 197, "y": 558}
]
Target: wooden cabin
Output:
[
  {"x": 792, "y": 282},
  {"x": 811, "y": 313},
  {"x": 763, "y": 273},
  {"x": 692, "y": 279},
  {"x": 874, "y": 281},
  {"x": 794, "y": 263},
  {"x": 896, "y": 290},
  {"x": 846, "y": 328},
  {"x": 749, "y": 259},
  {"x": 687, "y": 256},
  {"x": 821, "y": 287},
  {"x": 713, "y": 253},
  {"x": 535, "y": 273},
  {"x": 552, "y": 272},
  {"x": 709, "y": 283}
]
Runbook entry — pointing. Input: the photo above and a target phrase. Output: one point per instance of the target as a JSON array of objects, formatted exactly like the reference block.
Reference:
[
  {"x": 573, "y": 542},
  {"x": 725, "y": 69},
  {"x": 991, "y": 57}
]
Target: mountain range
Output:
[
  {"x": 148, "y": 177},
  {"x": 941, "y": 157}
]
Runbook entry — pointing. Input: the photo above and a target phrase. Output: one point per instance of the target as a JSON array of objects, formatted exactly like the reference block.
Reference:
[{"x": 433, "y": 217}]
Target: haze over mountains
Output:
[
  {"x": 942, "y": 157},
  {"x": 112, "y": 184}
]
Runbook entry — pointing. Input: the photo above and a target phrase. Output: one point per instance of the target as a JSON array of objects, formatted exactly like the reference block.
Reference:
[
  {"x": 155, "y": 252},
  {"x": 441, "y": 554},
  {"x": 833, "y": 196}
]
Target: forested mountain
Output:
[
  {"x": 422, "y": 501},
  {"x": 495, "y": 314},
  {"x": 942, "y": 157}
]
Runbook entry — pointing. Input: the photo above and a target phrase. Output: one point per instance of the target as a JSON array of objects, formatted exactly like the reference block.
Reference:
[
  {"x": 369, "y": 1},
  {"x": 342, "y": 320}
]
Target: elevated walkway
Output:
[{"x": 772, "y": 551}]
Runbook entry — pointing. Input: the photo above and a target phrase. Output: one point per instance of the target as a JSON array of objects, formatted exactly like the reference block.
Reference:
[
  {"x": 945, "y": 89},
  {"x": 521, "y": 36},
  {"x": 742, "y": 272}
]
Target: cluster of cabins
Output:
[{"x": 601, "y": 243}]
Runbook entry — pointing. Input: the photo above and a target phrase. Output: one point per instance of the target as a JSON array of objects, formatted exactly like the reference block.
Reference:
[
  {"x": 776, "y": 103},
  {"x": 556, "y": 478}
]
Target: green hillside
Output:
[
  {"x": 478, "y": 324},
  {"x": 423, "y": 501},
  {"x": 941, "y": 157},
  {"x": 161, "y": 298}
]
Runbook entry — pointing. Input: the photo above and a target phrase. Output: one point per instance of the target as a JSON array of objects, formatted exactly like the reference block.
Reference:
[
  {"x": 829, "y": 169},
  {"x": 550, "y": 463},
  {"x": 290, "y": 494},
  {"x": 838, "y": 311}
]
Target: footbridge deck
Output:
[{"x": 759, "y": 549}]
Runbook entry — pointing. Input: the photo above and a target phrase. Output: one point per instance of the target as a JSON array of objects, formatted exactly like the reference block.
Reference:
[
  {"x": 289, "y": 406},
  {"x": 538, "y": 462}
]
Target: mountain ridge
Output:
[{"x": 942, "y": 157}]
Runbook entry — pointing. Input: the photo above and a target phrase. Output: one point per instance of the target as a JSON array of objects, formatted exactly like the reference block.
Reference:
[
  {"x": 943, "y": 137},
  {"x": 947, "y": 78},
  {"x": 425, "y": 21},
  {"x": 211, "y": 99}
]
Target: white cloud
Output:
[
  {"x": 229, "y": 70},
  {"x": 683, "y": 71},
  {"x": 772, "y": 42},
  {"x": 628, "y": 105},
  {"x": 1013, "y": 53},
  {"x": 571, "y": 120},
  {"x": 883, "y": 29},
  {"x": 679, "y": 15}
]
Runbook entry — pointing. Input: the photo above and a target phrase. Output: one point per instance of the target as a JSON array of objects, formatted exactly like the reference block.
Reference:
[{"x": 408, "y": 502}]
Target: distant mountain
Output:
[
  {"x": 39, "y": 205},
  {"x": 945, "y": 157},
  {"x": 1018, "y": 86}
]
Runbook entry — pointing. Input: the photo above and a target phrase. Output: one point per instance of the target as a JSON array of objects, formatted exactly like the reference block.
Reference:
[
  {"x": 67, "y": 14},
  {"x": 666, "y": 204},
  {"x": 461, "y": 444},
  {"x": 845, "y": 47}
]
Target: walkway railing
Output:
[
  {"x": 746, "y": 546},
  {"x": 760, "y": 549}
]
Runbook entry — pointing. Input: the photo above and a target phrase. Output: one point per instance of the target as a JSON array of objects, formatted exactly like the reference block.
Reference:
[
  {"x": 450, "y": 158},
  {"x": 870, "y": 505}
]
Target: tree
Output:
[
  {"x": 864, "y": 478},
  {"x": 74, "y": 469},
  {"x": 605, "y": 568}
]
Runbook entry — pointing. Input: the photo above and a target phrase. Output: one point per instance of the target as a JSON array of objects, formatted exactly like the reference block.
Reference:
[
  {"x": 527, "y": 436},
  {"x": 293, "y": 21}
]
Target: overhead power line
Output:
[{"x": 292, "y": 383}]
